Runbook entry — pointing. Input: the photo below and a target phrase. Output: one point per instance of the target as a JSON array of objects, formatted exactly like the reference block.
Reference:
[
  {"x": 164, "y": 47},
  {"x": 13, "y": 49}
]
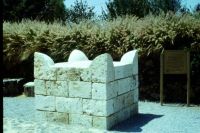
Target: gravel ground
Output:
[{"x": 18, "y": 117}]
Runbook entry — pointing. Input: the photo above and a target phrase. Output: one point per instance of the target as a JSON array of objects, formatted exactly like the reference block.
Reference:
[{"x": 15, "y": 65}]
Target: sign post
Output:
[{"x": 175, "y": 62}]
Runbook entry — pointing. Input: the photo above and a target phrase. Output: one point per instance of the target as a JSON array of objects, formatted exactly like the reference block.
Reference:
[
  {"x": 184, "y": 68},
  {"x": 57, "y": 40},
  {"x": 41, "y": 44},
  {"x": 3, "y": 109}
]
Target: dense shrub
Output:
[{"x": 149, "y": 35}]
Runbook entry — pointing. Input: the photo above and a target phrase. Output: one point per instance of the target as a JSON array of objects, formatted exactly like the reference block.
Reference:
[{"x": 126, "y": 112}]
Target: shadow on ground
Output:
[{"x": 134, "y": 124}]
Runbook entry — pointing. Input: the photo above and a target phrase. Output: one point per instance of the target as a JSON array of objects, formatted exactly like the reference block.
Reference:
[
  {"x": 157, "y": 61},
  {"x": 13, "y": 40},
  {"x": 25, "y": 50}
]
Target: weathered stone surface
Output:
[
  {"x": 74, "y": 74},
  {"x": 98, "y": 93},
  {"x": 104, "y": 122},
  {"x": 45, "y": 103},
  {"x": 46, "y": 74},
  {"x": 133, "y": 82},
  {"x": 123, "y": 114},
  {"x": 102, "y": 69},
  {"x": 41, "y": 60},
  {"x": 123, "y": 71},
  {"x": 57, "y": 117},
  {"x": 40, "y": 87},
  {"x": 119, "y": 103},
  {"x": 100, "y": 122},
  {"x": 135, "y": 95},
  {"x": 80, "y": 89},
  {"x": 77, "y": 55},
  {"x": 43, "y": 67},
  {"x": 86, "y": 75},
  {"x": 128, "y": 70},
  {"x": 137, "y": 81},
  {"x": 69, "y": 74},
  {"x": 57, "y": 88},
  {"x": 98, "y": 107},
  {"x": 104, "y": 91},
  {"x": 52, "y": 116},
  {"x": 119, "y": 72},
  {"x": 69, "y": 105},
  {"x": 129, "y": 98},
  {"x": 63, "y": 89},
  {"x": 125, "y": 85},
  {"x": 49, "y": 74},
  {"x": 133, "y": 109},
  {"x": 84, "y": 120}
]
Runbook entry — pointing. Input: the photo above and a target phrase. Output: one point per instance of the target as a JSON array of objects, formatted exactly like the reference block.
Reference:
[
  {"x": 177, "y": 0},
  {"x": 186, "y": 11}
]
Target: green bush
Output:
[{"x": 150, "y": 35}]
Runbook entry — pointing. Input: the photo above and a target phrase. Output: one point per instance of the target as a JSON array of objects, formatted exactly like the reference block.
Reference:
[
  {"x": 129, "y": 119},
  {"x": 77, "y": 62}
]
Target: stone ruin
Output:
[{"x": 98, "y": 93}]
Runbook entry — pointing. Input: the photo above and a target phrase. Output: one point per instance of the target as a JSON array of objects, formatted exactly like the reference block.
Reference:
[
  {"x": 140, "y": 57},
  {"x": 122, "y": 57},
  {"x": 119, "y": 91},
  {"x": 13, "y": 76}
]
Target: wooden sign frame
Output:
[{"x": 175, "y": 62}]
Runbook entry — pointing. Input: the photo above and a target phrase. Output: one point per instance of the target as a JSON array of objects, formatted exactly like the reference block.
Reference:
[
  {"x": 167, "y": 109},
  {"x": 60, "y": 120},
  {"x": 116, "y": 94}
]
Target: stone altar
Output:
[{"x": 98, "y": 93}]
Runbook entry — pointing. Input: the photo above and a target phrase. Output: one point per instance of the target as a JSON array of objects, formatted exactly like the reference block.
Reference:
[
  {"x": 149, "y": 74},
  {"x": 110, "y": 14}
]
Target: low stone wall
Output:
[{"x": 98, "y": 93}]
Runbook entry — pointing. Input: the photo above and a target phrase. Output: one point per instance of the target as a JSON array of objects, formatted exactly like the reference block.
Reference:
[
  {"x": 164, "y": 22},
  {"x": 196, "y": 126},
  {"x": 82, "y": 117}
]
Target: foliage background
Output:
[{"x": 150, "y": 35}]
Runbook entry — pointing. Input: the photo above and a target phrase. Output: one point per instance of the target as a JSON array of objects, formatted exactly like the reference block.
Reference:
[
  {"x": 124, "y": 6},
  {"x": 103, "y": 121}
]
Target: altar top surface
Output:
[{"x": 82, "y": 64}]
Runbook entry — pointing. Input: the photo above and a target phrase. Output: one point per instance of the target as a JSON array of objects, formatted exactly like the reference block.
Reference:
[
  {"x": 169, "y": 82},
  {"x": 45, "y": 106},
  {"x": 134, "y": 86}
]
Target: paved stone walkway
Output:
[{"x": 18, "y": 117}]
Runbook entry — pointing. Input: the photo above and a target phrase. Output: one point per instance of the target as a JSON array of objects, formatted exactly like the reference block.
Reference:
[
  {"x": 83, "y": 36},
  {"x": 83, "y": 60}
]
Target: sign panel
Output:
[{"x": 175, "y": 62}]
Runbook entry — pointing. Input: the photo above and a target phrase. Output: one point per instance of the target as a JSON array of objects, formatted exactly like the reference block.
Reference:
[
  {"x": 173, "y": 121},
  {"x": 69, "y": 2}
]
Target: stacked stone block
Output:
[{"x": 98, "y": 93}]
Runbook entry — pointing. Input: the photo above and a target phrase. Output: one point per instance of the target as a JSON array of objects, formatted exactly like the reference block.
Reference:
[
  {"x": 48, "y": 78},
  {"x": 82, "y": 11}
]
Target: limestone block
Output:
[
  {"x": 43, "y": 67},
  {"x": 51, "y": 116},
  {"x": 98, "y": 107},
  {"x": 51, "y": 88},
  {"x": 137, "y": 81},
  {"x": 62, "y": 74},
  {"x": 131, "y": 57},
  {"x": 119, "y": 103},
  {"x": 128, "y": 70},
  {"x": 123, "y": 114},
  {"x": 45, "y": 102},
  {"x": 104, "y": 91},
  {"x": 50, "y": 74},
  {"x": 69, "y": 105},
  {"x": 133, "y": 82},
  {"x": 119, "y": 72},
  {"x": 129, "y": 98},
  {"x": 80, "y": 89},
  {"x": 136, "y": 95},
  {"x": 46, "y": 73},
  {"x": 77, "y": 55},
  {"x": 57, "y": 88},
  {"x": 40, "y": 87},
  {"x": 104, "y": 122},
  {"x": 42, "y": 60},
  {"x": 102, "y": 69},
  {"x": 69, "y": 74},
  {"x": 86, "y": 75},
  {"x": 57, "y": 117},
  {"x": 133, "y": 109},
  {"x": 123, "y": 71},
  {"x": 125, "y": 85},
  {"x": 74, "y": 74},
  {"x": 100, "y": 122},
  {"x": 84, "y": 120}
]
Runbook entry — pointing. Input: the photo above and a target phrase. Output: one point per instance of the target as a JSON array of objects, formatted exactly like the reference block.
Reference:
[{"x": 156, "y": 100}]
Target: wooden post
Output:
[
  {"x": 161, "y": 79},
  {"x": 188, "y": 79}
]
